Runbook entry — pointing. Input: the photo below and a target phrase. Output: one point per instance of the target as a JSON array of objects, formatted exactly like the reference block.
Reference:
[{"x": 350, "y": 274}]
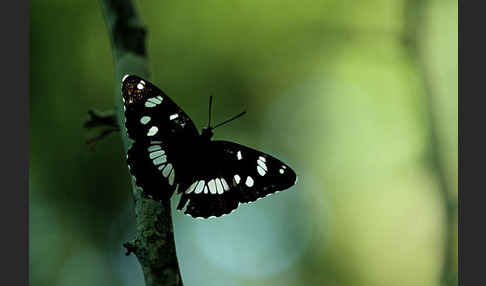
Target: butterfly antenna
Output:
[
  {"x": 231, "y": 119},
  {"x": 210, "y": 103}
]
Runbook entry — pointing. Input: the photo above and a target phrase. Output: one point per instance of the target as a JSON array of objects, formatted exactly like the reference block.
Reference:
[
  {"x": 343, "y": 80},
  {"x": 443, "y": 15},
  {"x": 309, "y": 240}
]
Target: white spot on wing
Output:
[
  {"x": 172, "y": 177},
  {"x": 281, "y": 171},
  {"x": 152, "y": 131},
  {"x": 238, "y": 155},
  {"x": 219, "y": 186},
  {"x": 249, "y": 181},
  {"x": 149, "y": 104},
  {"x": 155, "y": 100},
  {"x": 154, "y": 148},
  {"x": 206, "y": 190},
  {"x": 262, "y": 164},
  {"x": 140, "y": 86},
  {"x": 225, "y": 185},
  {"x": 261, "y": 171},
  {"x": 156, "y": 154},
  {"x": 212, "y": 186},
  {"x": 191, "y": 188},
  {"x": 262, "y": 158},
  {"x": 173, "y": 116},
  {"x": 124, "y": 77},
  {"x": 236, "y": 179},
  {"x": 160, "y": 160},
  {"x": 166, "y": 170},
  {"x": 199, "y": 187},
  {"x": 145, "y": 119}
]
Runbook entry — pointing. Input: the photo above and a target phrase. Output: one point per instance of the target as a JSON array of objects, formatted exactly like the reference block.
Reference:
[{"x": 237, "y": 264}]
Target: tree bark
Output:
[{"x": 154, "y": 243}]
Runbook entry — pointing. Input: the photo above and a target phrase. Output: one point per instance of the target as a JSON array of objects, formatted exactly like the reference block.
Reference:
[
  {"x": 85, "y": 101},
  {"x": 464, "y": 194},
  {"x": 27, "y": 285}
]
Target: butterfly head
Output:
[{"x": 207, "y": 133}]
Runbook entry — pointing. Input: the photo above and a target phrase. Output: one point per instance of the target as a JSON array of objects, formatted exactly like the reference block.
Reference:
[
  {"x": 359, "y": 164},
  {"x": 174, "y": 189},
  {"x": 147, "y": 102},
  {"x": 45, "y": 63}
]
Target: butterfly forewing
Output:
[{"x": 152, "y": 115}]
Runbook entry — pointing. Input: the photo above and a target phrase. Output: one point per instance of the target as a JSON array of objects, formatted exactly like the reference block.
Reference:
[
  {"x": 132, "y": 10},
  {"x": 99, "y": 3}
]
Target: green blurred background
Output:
[{"x": 351, "y": 94}]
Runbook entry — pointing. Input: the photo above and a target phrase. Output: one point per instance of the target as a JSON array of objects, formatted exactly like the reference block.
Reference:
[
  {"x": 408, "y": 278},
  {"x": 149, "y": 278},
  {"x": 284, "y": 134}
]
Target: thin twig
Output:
[
  {"x": 101, "y": 119},
  {"x": 92, "y": 141},
  {"x": 154, "y": 243}
]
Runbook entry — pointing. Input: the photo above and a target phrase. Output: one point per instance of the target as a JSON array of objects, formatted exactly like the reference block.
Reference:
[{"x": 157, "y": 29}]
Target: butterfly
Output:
[{"x": 168, "y": 153}]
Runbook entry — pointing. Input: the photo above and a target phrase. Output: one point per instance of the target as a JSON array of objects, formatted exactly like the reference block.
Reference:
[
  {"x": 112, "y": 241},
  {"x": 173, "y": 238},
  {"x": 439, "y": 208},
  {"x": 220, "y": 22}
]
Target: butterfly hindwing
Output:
[
  {"x": 153, "y": 166},
  {"x": 238, "y": 174}
]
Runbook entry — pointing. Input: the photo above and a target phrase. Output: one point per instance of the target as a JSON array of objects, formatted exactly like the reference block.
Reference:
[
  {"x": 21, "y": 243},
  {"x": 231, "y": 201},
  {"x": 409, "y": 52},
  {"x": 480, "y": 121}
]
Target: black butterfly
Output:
[{"x": 213, "y": 176}]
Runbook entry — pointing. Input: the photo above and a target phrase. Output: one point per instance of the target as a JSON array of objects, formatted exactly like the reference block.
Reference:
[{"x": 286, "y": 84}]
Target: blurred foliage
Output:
[{"x": 330, "y": 89}]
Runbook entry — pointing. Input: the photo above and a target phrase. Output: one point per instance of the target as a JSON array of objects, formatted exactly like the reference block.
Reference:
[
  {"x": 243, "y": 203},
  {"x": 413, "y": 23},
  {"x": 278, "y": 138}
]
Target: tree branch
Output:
[
  {"x": 101, "y": 119},
  {"x": 415, "y": 15},
  {"x": 154, "y": 243}
]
